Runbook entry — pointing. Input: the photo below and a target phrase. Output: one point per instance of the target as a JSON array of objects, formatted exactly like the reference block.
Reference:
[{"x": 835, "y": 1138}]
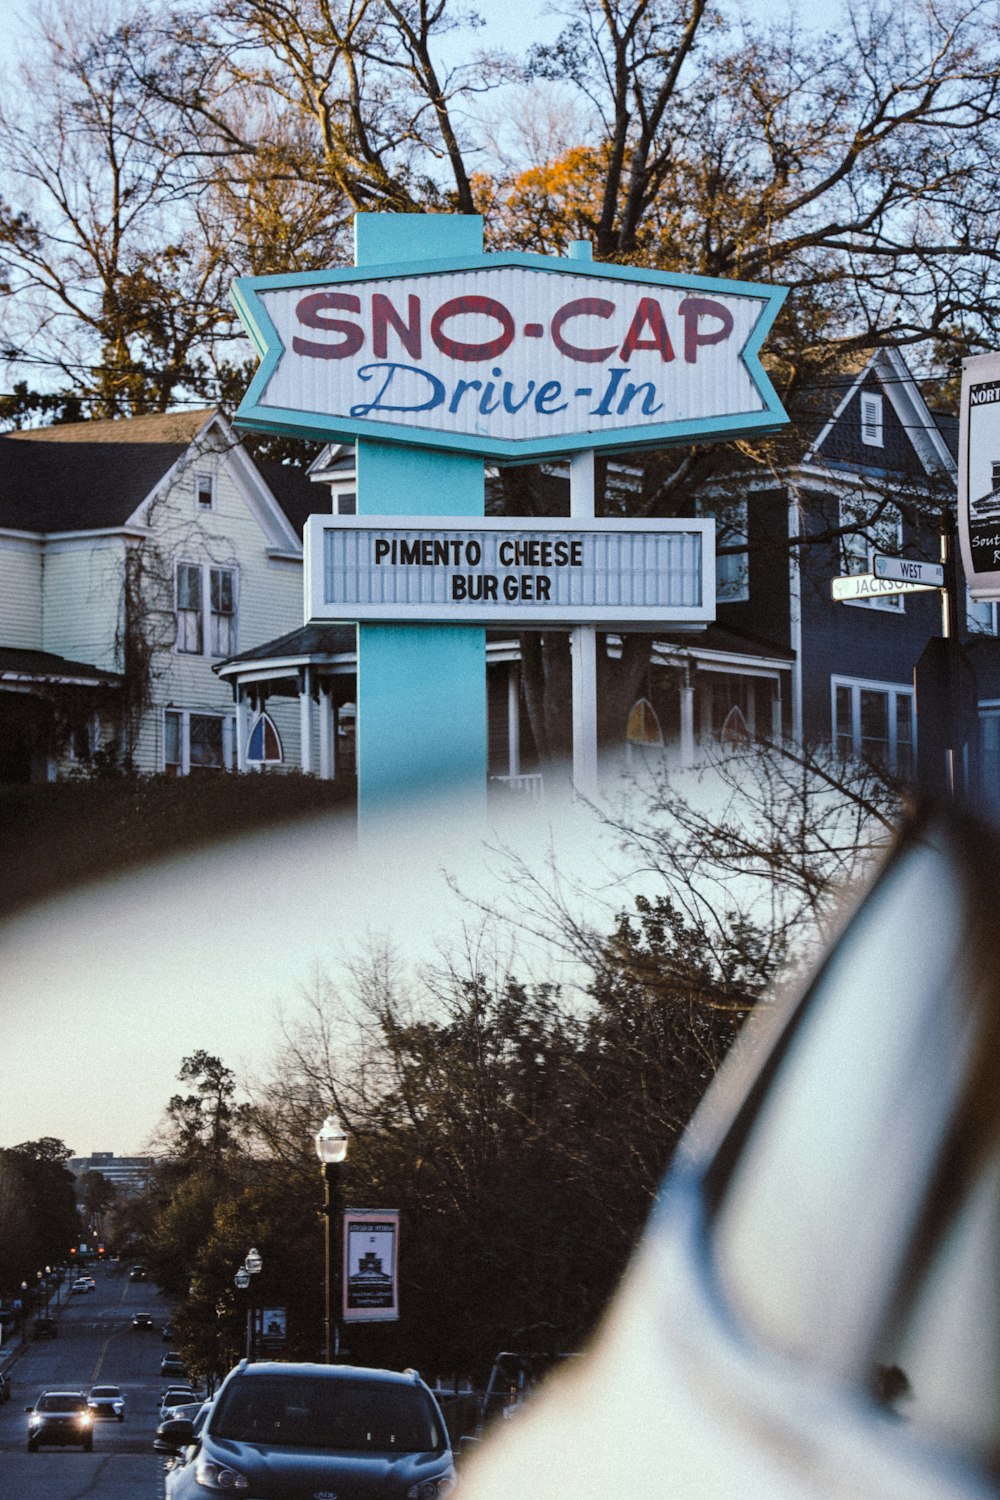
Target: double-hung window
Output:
[
  {"x": 869, "y": 525},
  {"x": 980, "y": 615},
  {"x": 875, "y": 722},
  {"x": 206, "y": 609},
  {"x": 197, "y": 742},
  {"x": 732, "y": 562}
]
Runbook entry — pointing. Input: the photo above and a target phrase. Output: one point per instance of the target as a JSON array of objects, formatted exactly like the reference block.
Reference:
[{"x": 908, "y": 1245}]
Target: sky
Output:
[{"x": 104, "y": 992}]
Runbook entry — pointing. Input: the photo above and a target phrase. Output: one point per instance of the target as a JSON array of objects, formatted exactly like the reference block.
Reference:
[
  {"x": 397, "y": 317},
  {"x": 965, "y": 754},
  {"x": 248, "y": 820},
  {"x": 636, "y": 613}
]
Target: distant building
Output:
[{"x": 127, "y": 1173}]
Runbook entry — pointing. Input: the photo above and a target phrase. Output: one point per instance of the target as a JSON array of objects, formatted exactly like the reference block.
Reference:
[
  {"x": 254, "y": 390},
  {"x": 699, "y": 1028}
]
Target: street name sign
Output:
[
  {"x": 513, "y": 571},
  {"x": 908, "y": 570},
  {"x": 868, "y": 586}
]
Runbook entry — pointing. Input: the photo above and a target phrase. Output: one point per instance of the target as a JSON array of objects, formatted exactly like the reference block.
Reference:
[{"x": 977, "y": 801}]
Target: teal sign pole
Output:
[{"x": 421, "y": 718}]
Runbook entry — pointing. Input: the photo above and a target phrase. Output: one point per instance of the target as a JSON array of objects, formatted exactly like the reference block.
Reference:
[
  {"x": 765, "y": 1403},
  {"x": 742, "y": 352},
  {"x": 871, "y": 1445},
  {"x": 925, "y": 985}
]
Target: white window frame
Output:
[
  {"x": 893, "y": 691},
  {"x": 206, "y": 613},
  {"x": 980, "y": 615},
  {"x": 344, "y": 499},
  {"x": 265, "y": 760},
  {"x": 204, "y": 483},
  {"x": 871, "y": 419},
  {"x": 858, "y": 549},
  {"x": 185, "y": 716},
  {"x": 732, "y": 586},
  {"x": 91, "y": 730}
]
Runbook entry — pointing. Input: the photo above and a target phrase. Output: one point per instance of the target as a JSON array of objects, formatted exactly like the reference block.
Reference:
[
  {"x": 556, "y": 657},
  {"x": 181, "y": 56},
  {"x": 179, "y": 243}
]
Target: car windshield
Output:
[
  {"x": 105, "y": 1390},
  {"x": 61, "y": 1403},
  {"x": 313, "y": 1412}
]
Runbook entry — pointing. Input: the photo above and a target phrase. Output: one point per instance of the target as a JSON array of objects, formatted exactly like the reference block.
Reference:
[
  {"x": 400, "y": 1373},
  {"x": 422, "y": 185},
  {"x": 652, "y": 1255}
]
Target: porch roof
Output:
[{"x": 24, "y": 667}]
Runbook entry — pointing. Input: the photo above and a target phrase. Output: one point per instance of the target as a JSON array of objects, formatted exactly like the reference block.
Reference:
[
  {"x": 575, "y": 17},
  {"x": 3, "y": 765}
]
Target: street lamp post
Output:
[
  {"x": 331, "y": 1148},
  {"x": 242, "y": 1283},
  {"x": 253, "y": 1265}
]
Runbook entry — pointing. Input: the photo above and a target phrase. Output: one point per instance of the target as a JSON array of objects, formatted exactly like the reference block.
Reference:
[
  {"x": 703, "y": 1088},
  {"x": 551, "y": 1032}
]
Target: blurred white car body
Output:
[{"x": 814, "y": 1312}]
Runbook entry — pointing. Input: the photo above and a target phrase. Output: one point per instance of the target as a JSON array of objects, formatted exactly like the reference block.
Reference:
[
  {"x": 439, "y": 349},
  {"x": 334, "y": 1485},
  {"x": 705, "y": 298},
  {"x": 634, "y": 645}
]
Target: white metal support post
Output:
[{"x": 584, "y": 644}]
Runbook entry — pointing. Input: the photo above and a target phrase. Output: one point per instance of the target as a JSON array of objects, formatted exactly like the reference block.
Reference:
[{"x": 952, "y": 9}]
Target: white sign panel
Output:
[
  {"x": 541, "y": 573},
  {"x": 509, "y": 355},
  {"x": 979, "y": 475},
  {"x": 908, "y": 570}
]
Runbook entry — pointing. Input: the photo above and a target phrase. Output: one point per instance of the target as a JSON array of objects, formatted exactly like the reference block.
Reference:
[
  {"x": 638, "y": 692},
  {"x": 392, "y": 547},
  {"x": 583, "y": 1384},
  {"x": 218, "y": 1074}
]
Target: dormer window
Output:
[
  {"x": 204, "y": 491},
  {"x": 871, "y": 419}
]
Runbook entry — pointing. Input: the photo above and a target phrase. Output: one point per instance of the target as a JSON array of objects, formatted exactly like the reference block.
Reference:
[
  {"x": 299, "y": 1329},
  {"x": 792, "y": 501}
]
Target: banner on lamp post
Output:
[{"x": 371, "y": 1262}]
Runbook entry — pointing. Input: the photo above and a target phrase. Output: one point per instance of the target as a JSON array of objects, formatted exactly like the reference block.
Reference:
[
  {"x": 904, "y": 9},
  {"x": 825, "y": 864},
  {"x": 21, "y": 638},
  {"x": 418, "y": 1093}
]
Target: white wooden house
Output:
[{"x": 136, "y": 555}]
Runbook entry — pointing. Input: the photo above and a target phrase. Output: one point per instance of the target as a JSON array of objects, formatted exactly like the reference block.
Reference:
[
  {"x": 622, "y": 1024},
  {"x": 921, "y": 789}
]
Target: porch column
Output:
[
  {"x": 513, "y": 719},
  {"x": 687, "y": 718},
  {"x": 583, "y": 642},
  {"x": 305, "y": 720},
  {"x": 242, "y": 727},
  {"x": 325, "y": 733}
]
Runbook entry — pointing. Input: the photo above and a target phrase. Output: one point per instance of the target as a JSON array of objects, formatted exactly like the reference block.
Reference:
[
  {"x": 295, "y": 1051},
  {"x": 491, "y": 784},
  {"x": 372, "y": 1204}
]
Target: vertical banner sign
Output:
[
  {"x": 370, "y": 1261},
  {"x": 979, "y": 475},
  {"x": 273, "y": 1327}
]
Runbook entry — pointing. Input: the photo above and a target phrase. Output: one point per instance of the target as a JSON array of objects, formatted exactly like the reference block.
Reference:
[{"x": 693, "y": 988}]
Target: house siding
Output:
[
  {"x": 268, "y": 599},
  {"x": 21, "y": 593},
  {"x": 82, "y": 600}
]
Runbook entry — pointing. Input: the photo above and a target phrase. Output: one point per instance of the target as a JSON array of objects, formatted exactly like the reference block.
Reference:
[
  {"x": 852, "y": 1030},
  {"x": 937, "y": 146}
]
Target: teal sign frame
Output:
[{"x": 331, "y": 328}]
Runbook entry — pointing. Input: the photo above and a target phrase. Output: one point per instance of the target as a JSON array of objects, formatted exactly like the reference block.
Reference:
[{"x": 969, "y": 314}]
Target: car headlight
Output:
[
  {"x": 85, "y": 1419},
  {"x": 433, "y": 1489},
  {"x": 213, "y": 1476}
]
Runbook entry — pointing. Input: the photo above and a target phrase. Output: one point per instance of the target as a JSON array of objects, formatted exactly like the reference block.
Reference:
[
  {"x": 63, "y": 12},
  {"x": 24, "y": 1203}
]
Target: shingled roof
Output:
[{"x": 83, "y": 476}]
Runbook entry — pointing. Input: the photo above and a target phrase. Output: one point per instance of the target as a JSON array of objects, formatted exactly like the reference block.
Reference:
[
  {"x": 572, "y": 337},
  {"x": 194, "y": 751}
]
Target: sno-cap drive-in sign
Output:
[{"x": 508, "y": 356}]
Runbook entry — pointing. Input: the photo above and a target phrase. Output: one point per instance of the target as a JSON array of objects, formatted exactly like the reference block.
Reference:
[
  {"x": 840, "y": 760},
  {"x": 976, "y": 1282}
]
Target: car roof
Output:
[{"x": 354, "y": 1373}]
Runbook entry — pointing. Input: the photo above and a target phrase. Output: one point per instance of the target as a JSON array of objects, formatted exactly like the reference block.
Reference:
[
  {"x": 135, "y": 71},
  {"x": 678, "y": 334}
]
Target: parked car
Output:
[
  {"x": 284, "y": 1428},
  {"x": 177, "y": 1395},
  {"x": 172, "y": 1364},
  {"x": 179, "y": 1426},
  {"x": 815, "y": 1309},
  {"x": 61, "y": 1417},
  {"x": 45, "y": 1328},
  {"x": 142, "y": 1320},
  {"x": 189, "y": 1409},
  {"x": 107, "y": 1403}
]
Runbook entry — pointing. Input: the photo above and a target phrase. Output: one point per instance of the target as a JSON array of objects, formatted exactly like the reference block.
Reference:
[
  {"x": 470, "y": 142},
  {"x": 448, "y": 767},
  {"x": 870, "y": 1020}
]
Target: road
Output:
[{"x": 96, "y": 1344}]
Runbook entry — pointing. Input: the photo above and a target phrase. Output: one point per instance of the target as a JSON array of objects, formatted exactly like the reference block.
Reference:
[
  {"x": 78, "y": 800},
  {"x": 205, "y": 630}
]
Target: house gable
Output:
[{"x": 882, "y": 424}]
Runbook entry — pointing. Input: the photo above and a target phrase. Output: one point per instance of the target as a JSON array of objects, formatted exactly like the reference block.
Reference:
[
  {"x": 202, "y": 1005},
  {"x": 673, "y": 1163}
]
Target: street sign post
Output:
[{"x": 908, "y": 570}]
